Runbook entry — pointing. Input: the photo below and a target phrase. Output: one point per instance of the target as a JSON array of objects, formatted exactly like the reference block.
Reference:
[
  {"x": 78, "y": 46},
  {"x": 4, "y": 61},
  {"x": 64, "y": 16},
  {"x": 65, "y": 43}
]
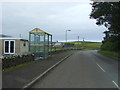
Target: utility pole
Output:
[
  {"x": 83, "y": 42},
  {"x": 78, "y": 38},
  {"x": 83, "y": 39},
  {"x": 78, "y": 43},
  {"x": 20, "y": 35}
]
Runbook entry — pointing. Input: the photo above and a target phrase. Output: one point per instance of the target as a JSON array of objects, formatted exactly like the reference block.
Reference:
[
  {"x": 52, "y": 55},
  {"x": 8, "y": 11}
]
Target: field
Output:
[
  {"x": 92, "y": 45},
  {"x": 97, "y": 45},
  {"x": 81, "y": 45},
  {"x": 87, "y": 45}
]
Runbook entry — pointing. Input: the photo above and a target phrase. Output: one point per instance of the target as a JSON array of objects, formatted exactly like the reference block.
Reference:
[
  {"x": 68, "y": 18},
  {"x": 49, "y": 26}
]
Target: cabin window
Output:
[
  {"x": 9, "y": 47},
  {"x": 24, "y": 44},
  {"x": 12, "y": 47},
  {"x": 6, "y": 46}
]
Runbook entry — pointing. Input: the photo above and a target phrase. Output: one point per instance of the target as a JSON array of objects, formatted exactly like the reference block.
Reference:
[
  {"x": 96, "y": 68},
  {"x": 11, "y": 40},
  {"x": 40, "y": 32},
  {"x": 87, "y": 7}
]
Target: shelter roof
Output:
[{"x": 37, "y": 31}]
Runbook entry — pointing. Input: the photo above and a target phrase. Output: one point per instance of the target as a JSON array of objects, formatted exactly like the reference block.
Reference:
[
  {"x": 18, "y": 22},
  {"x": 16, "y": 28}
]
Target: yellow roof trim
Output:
[{"x": 37, "y": 30}]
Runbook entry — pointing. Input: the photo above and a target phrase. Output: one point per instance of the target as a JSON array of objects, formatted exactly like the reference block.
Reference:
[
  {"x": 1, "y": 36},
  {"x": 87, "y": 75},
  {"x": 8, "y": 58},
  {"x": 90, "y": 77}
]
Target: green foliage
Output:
[
  {"x": 110, "y": 53},
  {"x": 92, "y": 45},
  {"x": 108, "y": 14},
  {"x": 111, "y": 44}
]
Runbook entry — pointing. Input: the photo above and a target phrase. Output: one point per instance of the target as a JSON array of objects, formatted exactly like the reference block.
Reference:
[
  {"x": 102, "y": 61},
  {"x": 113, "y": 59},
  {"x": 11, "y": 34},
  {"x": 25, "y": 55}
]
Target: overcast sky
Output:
[{"x": 52, "y": 17}]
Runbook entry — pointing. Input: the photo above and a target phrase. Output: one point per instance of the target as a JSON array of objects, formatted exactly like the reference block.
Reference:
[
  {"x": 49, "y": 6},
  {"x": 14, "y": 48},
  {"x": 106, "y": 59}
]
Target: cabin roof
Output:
[{"x": 2, "y": 35}]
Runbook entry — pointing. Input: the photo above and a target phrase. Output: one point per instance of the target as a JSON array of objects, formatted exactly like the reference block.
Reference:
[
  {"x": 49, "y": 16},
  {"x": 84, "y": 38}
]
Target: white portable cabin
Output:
[{"x": 10, "y": 45}]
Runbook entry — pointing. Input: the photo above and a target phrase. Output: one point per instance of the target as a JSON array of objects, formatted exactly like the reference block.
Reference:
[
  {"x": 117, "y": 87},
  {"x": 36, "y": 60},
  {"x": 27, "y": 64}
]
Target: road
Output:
[{"x": 84, "y": 69}]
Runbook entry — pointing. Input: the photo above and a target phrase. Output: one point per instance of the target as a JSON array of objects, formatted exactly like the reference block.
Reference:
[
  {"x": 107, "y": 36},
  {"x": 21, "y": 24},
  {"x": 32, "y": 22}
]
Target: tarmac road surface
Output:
[{"x": 83, "y": 69}]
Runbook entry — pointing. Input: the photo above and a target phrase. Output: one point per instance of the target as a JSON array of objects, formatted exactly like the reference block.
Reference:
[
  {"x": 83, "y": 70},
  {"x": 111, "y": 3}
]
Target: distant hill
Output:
[{"x": 87, "y": 44}]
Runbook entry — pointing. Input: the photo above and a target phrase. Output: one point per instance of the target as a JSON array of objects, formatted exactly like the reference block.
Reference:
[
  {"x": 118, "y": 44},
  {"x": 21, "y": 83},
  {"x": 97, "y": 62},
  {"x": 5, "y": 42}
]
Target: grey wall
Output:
[{"x": 24, "y": 49}]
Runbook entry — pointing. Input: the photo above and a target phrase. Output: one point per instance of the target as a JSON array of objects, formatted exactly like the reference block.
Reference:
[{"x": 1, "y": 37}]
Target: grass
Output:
[
  {"x": 110, "y": 53},
  {"x": 87, "y": 45},
  {"x": 54, "y": 49},
  {"x": 26, "y": 64},
  {"x": 18, "y": 66},
  {"x": 92, "y": 45}
]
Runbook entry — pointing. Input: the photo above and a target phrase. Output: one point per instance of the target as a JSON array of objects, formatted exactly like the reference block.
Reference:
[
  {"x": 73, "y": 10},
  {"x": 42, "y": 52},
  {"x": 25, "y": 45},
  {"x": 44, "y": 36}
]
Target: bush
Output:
[
  {"x": 111, "y": 44},
  {"x": 9, "y": 61}
]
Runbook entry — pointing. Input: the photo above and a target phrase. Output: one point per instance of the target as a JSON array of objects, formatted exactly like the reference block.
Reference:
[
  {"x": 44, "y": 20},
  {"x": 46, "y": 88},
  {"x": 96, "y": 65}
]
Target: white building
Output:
[
  {"x": 58, "y": 44},
  {"x": 10, "y": 45}
]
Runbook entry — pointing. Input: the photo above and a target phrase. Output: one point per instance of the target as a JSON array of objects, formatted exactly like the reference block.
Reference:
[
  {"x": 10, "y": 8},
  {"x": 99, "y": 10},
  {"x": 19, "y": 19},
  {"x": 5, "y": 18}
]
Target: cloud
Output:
[{"x": 54, "y": 18}]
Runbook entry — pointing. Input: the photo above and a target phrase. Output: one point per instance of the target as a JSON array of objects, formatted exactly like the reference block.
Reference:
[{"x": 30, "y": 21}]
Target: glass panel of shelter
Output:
[
  {"x": 46, "y": 45},
  {"x": 31, "y": 41},
  {"x": 50, "y": 44},
  {"x": 40, "y": 44}
]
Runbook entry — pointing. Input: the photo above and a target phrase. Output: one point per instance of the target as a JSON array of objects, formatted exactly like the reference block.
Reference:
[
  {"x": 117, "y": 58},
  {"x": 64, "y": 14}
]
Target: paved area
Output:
[
  {"x": 84, "y": 69},
  {"x": 21, "y": 76}
]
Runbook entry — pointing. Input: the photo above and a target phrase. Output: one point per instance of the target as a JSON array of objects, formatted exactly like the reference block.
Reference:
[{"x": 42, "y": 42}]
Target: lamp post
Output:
[{"x": 66, "y": 34}]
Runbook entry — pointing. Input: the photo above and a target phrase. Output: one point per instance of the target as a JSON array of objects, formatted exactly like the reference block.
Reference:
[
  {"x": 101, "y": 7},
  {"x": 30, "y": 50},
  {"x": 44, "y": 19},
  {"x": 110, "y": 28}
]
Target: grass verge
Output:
[
  {"x": 110, "y": 53},
  {"x": 28, "y": 63},
  {"x": 18, "y": 66}
]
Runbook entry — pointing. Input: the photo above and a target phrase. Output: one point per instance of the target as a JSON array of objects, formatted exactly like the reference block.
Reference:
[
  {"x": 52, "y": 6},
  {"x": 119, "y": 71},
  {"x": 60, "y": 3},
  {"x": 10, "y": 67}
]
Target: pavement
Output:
[
  {"x": 83, "y": 69},
  {"x": 22, "y": 76}
]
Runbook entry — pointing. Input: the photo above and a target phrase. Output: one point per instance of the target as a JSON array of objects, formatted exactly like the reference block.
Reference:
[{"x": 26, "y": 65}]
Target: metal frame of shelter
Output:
[{"x": 40, "y": 43}]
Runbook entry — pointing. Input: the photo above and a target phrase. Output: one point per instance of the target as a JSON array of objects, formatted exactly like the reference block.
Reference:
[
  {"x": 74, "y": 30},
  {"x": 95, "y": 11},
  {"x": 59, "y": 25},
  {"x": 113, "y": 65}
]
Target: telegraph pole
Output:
[
  {"x": 83, "y": 42},
  {"x": 83, "y": 39},
  {"x": 78, "y": 38},
  {"x": 20, "y": 35}
]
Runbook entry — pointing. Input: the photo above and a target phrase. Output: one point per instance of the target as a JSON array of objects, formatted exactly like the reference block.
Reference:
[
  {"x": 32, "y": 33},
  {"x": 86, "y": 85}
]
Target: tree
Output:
[{"x": 108, "y": 14}]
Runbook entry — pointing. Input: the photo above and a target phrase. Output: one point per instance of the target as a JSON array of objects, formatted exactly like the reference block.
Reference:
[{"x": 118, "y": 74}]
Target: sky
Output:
[{"x": 52, "y": 17}]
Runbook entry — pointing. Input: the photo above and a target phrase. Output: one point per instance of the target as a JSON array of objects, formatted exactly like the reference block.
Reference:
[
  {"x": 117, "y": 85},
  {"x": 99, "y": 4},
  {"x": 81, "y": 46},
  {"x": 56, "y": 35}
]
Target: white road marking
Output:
[
  {"x": 116, "y": 85},
  {"x": 100, "y": 67}
]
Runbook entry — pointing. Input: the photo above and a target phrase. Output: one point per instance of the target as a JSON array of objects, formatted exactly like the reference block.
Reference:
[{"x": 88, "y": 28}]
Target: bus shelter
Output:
[{"x": 40, "y": 43}]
